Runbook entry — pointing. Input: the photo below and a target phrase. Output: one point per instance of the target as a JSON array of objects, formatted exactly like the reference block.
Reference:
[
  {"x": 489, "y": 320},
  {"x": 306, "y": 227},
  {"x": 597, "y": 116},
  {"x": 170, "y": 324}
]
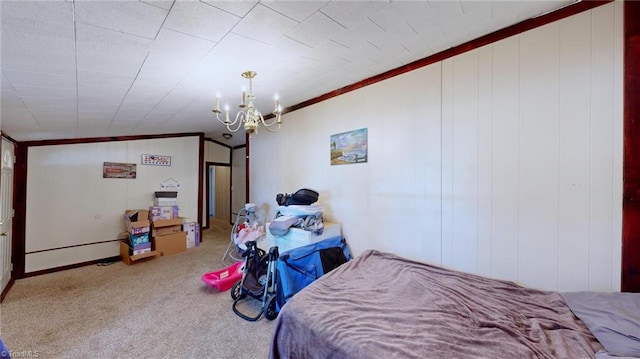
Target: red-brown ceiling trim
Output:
[
  {"x": 73, "y": 141},
  {"x": 631, "y": 157},
  {"x": 501, "y": 34}
]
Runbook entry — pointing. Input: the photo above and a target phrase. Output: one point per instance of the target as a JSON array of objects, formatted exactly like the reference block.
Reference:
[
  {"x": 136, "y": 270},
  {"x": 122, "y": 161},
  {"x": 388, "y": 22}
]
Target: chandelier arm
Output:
[
  {"x": 268, "y": 126},
  {"x": 270, "y": 129},
  {"x": 224, "y": 122},
  {"x": 237, "y": 122}
]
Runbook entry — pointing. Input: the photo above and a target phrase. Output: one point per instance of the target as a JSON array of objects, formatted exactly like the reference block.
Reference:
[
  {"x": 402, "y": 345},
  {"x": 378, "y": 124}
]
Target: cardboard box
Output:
[
  {"x": 136, "y": 239},
  {"x": 192, "y": 229},
  {"x": 133, "y": 259},
  {"x": 136, "y": 214},
  {"x": 137, "y": 221},
  {"x": 163, "y": 212},
  {"x": 166, "y": 230},
  {"x": 164, "y": 227},
  {"x": 140, "y": 248},
  {"x": 166, "y": 222},
  {"x": 171, "y": 244}
]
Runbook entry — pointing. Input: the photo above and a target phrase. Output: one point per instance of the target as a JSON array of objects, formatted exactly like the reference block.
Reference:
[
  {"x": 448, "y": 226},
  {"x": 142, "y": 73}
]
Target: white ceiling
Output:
[{"x": 75, "y": 69}]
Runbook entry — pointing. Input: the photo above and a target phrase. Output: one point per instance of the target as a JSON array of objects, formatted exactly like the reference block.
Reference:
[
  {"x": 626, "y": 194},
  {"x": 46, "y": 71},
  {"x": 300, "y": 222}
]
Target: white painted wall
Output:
[
  {"x": 70, "y": 204},
  {"x": 505, "y": 161},
  {"x": 238, "y": 181},
  {"x": 214, "y": 152}
]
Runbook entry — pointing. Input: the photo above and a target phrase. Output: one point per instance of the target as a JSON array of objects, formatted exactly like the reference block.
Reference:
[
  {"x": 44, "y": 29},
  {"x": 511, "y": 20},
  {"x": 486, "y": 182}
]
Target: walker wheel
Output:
[
  {"x": 236, "y": 291},
  {"x": 270, "y": 309}
]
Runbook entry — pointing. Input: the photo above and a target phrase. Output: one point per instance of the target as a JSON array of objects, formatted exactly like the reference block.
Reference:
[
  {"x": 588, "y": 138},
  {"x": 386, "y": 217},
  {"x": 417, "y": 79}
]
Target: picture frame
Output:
[
  {"x": 119, "y": 170},
  {"x": 349, "y": 147}
]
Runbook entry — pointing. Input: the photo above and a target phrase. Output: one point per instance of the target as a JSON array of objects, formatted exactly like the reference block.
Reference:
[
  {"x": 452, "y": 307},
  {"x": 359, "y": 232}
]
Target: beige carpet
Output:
[{"x": 156, "y": 309}]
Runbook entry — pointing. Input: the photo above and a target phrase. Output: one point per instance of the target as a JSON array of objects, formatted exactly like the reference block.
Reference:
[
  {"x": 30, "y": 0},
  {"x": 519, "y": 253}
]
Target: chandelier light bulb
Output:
[{"x": 216, "y": 109}]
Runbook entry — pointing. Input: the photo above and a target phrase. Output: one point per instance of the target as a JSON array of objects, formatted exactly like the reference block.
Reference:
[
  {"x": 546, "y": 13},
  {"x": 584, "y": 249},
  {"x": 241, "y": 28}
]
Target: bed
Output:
[{"x": 380, "y": 305}]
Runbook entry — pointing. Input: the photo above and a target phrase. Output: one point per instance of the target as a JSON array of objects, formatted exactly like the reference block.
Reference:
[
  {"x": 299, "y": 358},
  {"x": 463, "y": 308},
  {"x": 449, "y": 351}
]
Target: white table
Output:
[{"x": 297, "y": 237}]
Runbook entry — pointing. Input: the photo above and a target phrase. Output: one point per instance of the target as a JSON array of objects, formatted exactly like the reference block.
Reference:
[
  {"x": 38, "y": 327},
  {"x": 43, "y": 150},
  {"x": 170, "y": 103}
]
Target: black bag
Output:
[{"x": 302, "y": 196}]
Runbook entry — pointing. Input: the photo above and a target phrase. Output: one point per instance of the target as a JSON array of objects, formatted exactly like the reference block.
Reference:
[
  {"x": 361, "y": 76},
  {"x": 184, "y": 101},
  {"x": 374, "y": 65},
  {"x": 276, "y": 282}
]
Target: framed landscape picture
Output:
[{"x": 349, "y": 147}]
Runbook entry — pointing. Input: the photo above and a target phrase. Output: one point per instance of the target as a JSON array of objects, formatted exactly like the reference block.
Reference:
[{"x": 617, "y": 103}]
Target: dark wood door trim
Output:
[{"x": 631, "y": 157}]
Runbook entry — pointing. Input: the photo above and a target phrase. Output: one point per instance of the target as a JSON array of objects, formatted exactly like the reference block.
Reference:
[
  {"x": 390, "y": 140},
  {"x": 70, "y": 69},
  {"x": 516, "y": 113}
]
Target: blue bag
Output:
[{"x": 301, "y": 266}]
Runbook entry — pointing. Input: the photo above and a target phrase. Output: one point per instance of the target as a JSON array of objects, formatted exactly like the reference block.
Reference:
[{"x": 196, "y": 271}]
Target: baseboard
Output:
[{"x": 71, "y": 266}]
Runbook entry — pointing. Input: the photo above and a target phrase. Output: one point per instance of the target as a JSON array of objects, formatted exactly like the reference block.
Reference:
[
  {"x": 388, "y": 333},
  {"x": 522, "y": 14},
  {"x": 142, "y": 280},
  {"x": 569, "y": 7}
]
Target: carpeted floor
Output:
[{"x": 156, "y": 309}]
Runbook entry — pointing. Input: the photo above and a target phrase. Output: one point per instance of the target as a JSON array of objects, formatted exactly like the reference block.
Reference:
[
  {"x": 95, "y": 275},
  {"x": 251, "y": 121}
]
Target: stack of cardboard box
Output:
[
  {"x": 137, "y": 245},
  {"x": 166, "y": 230}
]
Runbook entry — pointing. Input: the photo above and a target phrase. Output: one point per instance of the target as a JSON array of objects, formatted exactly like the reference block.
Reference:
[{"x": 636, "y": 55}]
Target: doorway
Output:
[{"x": 218, "y": 193}]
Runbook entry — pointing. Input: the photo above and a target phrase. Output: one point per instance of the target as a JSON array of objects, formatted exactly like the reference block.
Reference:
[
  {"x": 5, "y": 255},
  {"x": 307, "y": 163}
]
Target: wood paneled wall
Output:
[{"x": 503, "y": 161}]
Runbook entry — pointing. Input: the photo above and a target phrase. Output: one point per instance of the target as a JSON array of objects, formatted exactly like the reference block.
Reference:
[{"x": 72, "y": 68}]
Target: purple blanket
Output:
[{"x": 380, "y": 305}]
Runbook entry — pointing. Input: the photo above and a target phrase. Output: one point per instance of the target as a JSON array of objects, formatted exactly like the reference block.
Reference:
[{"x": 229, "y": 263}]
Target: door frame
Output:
[
  {"x": 12, "y": 274},
  {"x": 208, "y": 190}
]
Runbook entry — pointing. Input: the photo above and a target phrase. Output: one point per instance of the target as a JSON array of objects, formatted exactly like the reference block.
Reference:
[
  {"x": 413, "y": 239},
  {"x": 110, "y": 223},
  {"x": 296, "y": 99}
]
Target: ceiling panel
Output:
[
  {"x": 36, "y": 102},
  {"x": 38, "y": 37},
  {"x": 68, "y": 116},
  {"x": 95, "y": 117},
  {"x": 37, "y": 79},
  {"x": 103, "y": 90},
  {"x": 163, "y": 4},
  {"x": 237, "y": 8},
  {"x": 49, "y": 92},
  {"x": 316, "y": 29},
  {"x": 296, "y": 10},
  {"x": 110, "y": 51},
  {"x": 117, "y": 125},
  {"x": 157, "y": 116},
  {"x": 286, "y": 49},
  {"x": 89, "y": 99},
  {"x": 87, "y": 128},
  {"x": 200, "y": 20},
  {"x": 398, "y": 13},
  {"x": 131, "y": 17},
  {"x": 22, "y": 122},
  {"x": 264, "y": 25},
  {"x": 351, "y": 13},
  {"x": 102, "y": 106},
  {"x": 92, "y": 77},
  {"x": 37, "y": 16},
  {"x": 10, "y": 97}
]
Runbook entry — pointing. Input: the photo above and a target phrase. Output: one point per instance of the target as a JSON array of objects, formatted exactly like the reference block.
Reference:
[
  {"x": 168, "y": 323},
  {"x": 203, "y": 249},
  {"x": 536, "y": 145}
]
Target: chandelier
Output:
[{"x": 249, "y": 117}]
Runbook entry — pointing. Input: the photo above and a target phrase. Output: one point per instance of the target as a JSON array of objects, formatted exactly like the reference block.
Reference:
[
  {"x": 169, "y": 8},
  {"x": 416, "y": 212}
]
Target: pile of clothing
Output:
[{"x": 297, "y": 210}]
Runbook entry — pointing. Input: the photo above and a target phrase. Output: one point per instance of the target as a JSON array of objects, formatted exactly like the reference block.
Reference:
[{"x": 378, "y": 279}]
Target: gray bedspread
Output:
[{"x": 380, "y": 305}]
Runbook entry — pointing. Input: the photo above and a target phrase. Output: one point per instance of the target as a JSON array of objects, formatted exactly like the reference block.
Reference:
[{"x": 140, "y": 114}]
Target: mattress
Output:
[{"x": 380, "y": 305}]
